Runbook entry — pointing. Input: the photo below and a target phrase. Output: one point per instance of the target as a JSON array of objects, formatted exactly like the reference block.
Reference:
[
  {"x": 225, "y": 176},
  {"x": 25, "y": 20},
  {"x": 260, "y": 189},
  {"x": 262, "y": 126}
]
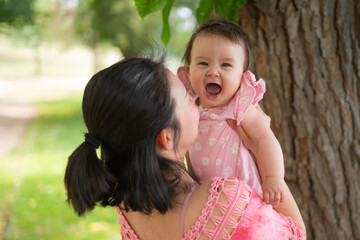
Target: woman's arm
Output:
[{"x": 289, "y": 208}]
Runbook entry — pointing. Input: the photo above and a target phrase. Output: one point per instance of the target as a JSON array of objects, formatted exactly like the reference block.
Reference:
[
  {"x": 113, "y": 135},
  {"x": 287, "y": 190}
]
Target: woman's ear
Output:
[{"x": 165, "y": 139}]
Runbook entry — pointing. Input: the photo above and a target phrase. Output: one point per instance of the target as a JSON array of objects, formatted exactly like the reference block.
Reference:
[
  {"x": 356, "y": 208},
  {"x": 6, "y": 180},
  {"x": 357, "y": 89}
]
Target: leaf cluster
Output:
[
  {"x": 206, "y": 9},
  {"x": 116, "y": 23},
  {"x": 17, "y": 12}
]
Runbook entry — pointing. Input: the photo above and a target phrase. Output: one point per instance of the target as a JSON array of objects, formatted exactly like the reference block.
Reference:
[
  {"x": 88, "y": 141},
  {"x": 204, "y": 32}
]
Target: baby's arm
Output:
[
  {"x": 288, "y": 206},
  {"x": 268, "y": 155}
]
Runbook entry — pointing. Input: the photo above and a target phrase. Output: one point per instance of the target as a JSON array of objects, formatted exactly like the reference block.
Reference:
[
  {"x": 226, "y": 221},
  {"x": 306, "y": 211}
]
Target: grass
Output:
[{"x": 31, "y": 181}]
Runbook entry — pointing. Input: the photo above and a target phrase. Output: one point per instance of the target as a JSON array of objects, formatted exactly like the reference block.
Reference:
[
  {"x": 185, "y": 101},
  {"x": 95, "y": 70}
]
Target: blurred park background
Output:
[
  {"x": 49, "y": 49},
  {"x": 307, "y": 51}
]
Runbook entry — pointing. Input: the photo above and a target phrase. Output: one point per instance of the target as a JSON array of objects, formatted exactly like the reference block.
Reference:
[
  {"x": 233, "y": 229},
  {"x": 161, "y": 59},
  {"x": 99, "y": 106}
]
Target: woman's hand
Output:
[{"x": 248, "y": 142}]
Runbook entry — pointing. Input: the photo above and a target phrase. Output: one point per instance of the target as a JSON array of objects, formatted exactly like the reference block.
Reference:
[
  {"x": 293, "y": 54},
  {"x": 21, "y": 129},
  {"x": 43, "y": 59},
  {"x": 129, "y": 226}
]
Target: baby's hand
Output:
[{"x": 273, "y": 190}]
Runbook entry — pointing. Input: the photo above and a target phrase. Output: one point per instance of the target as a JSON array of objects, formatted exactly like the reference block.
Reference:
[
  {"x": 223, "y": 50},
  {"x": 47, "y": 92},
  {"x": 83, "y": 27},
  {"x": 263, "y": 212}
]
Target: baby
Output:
[{"x": 217, "y": 60}]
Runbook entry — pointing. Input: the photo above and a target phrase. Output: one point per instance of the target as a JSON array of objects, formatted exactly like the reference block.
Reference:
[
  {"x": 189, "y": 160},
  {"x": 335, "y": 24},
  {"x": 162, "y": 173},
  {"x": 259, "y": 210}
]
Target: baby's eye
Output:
[
  {"x": 203, "y": 63},
  {"x": 226, "y": 65}
]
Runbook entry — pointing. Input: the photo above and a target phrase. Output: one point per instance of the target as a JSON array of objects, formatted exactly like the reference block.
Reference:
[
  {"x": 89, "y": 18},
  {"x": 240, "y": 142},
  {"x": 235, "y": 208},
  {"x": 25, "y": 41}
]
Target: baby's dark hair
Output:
[
  {"x": 125, "y": 106},
  {"x": 223, "y": 28}
]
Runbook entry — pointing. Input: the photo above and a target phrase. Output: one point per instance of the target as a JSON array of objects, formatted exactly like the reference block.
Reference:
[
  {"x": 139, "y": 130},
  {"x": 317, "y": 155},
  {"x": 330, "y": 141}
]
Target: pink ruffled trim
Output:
[
  {"x": 258, "y": 85},
  {"x": 297, "y": 233},
  {"x": 126, "y": 230},
  {"x": 181, "y": 73},
  {"x": 250, "y": 93}
]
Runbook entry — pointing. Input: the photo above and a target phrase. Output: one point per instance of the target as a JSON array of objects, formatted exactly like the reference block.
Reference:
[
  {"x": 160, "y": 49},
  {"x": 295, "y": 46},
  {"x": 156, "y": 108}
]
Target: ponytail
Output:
[
  {"x": 87, "y": 180},
  {"x": 125, "y": 106}
]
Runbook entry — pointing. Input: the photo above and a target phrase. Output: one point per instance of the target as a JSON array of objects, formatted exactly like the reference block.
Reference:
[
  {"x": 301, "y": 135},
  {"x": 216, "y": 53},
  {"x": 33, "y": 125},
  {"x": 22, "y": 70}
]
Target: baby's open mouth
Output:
[{"x": 213, "y": 89}]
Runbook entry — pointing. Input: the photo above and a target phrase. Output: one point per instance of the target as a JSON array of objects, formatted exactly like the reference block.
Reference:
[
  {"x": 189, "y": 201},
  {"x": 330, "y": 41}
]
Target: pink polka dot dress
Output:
[{"x": 218, "y": 151}]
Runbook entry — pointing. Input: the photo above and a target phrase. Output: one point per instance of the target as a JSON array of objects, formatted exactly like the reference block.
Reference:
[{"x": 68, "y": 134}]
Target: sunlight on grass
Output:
[{"x": 31, "y": 181}]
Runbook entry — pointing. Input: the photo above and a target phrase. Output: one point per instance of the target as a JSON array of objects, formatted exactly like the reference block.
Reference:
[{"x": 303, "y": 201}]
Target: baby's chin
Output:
[{"x": 218, "y": 101}]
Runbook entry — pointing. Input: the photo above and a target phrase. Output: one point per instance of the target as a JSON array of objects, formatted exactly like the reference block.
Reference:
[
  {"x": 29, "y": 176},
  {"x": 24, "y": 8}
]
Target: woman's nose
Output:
[{"x": 213, "y": 72}]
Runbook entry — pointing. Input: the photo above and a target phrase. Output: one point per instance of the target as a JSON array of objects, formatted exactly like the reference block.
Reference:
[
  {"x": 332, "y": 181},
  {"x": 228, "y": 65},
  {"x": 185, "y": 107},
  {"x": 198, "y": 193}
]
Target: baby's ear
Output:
[{"x": 182, "y": 75}]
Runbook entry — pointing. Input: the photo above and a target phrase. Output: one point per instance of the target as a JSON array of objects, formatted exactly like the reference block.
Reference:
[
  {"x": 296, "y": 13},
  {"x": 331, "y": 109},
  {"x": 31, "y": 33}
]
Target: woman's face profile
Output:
[{"x": 187, "y": 114}]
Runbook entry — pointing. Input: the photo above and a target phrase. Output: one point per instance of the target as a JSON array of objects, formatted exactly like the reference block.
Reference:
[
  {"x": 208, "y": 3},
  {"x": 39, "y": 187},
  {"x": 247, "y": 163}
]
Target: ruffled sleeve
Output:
[
  {"x": 181, "y": 73},
  {"x": 250, "y": 93}
]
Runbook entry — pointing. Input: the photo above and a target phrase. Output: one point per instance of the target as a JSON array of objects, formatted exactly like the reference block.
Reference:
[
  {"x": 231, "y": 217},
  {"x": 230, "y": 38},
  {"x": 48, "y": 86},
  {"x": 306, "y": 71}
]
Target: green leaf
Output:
[
  {"x": 205, "y": 9},
  {"x": 145, "y": 7},
  {"x": 226, "y": 9},
  {"x": 165, "y": 35},
  {"x": 230, "y": 12}
]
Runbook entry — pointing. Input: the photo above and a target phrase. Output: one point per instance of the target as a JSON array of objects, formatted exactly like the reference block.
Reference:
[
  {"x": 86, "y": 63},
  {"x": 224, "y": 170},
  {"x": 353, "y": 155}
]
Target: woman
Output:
[{"x": 144, "y": 120}]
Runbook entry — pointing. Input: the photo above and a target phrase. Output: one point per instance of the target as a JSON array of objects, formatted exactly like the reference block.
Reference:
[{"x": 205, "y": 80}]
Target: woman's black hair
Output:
[{"x": 125, "y": 106}]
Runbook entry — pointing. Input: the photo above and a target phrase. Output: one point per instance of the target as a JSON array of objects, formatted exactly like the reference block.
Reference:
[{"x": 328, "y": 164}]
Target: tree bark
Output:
[{"x": 308, "y": 53}]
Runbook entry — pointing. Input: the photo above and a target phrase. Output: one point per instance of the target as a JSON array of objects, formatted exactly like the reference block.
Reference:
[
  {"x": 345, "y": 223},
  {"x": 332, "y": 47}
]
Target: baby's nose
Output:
[{"x": 213, "y": 72}]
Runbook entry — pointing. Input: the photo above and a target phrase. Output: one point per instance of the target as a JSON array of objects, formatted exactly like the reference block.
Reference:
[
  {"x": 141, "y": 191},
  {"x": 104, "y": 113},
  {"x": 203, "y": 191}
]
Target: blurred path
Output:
[
  {"x": 15, "y": 114},
  {"x": 17, "y": 98}
]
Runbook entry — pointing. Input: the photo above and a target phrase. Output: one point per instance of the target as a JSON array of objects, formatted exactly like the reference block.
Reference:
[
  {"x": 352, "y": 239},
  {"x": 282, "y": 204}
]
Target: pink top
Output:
[
  {"x": 218, "y": 151},
  {"x": 256, "y": 221}
]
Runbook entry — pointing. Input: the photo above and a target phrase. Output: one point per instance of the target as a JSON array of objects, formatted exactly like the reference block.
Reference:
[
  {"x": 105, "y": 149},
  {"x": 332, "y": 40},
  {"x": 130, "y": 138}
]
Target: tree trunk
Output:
[{"x": 308, "y": 53}]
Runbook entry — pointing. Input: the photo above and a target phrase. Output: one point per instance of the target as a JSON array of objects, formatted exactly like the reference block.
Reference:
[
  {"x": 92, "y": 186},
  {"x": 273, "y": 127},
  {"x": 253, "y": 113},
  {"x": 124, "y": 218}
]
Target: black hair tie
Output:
[{"x": 92, "y": 140}]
